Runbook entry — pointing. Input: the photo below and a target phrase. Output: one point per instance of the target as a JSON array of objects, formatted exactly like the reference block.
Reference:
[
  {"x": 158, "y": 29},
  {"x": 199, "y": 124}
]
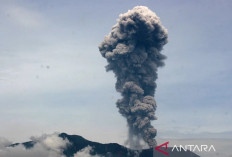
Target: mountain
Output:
[{"x": 108, "y": 150}]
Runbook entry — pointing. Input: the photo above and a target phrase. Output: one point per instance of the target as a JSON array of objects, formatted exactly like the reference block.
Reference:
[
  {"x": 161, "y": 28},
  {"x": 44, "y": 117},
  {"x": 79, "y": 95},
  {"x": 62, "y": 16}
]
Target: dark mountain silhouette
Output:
[{"x": 110, "y": 149}]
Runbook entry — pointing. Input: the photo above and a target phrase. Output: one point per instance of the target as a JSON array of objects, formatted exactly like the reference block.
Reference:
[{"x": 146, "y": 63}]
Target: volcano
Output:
[{"x": 77, "y": 143}]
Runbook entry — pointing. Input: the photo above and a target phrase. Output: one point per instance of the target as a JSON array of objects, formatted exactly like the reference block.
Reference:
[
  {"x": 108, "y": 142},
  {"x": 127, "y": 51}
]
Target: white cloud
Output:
[
  {"x": 52, "y": 142},
  {"x": 85, "y": 152},
  {"x": 46, "y": 146},
  {"x": 23, "y": 16},
  {"x": 3, "y": 143}
]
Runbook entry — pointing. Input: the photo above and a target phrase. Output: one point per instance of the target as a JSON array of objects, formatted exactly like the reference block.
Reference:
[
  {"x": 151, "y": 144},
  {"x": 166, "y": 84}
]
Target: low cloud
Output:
[
  {"x": 86, "y": 152},
  {"x": 45, "y": 146}
]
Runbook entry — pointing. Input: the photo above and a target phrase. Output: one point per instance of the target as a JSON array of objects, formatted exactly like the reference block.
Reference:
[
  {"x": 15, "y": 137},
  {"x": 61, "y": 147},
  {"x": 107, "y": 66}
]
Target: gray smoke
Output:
[{"x": 132, "y": 50}]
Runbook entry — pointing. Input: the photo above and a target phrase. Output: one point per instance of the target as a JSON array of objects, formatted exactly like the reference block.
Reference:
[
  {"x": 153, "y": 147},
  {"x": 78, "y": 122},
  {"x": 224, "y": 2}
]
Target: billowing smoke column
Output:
[{"x": 132, "y": 50}]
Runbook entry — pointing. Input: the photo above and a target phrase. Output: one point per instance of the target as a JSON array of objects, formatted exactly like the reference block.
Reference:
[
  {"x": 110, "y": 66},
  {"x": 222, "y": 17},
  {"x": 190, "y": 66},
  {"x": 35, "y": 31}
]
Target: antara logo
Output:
[
  {"x": 193, "y": 148},
  {"x": 200, "y": 148},
  {"x": 166, "y": 147}
]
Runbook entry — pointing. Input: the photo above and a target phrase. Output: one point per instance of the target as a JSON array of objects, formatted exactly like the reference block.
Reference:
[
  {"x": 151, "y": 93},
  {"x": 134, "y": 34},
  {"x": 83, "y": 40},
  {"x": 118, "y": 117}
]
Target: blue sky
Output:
[{"x": 52, "y": 76}]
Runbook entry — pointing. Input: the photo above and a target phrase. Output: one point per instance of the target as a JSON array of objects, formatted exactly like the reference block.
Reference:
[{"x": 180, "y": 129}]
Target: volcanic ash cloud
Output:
[{"x": 132, "y": 50}]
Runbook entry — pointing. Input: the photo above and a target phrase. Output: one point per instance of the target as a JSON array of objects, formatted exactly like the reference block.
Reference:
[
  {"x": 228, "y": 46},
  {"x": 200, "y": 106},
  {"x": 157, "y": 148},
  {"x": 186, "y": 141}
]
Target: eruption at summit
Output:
[{"x": 133, "y": 52}]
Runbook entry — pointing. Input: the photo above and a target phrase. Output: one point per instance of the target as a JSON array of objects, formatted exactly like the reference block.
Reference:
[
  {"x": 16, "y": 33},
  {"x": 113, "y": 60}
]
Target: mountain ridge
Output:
[{"x": 78, "y": 143}]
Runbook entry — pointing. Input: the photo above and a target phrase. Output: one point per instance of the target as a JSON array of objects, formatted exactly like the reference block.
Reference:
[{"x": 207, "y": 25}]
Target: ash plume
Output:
[{"x": 132, "y": 50}]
